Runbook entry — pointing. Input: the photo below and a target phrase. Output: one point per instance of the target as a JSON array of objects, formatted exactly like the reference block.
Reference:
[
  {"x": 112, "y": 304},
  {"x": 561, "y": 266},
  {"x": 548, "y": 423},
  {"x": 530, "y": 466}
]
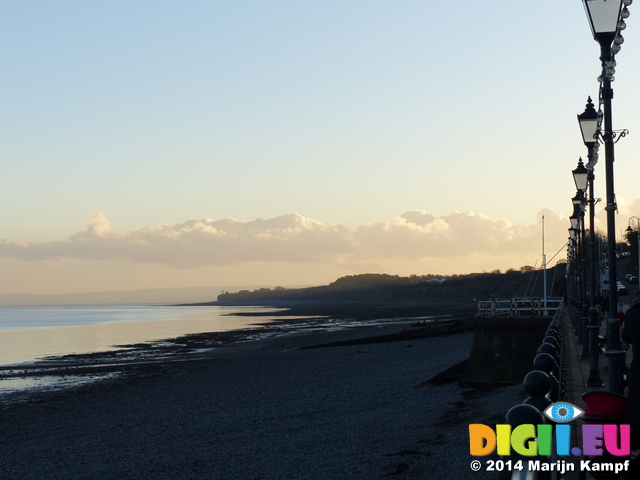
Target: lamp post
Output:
[
  {"x": 578, "y": 294},
  {"x": 579, "y": 208},
  {"x": 577, "y": 224},
  {"x": 573, "y": 254},
  {"x": 589, "y": 122},
  {"x": 638, "y": 240},
  {"x": 572, "y": 275},
  {"x": 606, "y": 18}
]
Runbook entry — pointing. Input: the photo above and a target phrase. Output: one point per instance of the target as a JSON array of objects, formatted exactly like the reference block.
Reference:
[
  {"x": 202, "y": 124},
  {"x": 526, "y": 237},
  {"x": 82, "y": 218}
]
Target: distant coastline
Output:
[
  {"x": 363, "y": 289},
  {"x": 365, "y": 295}
]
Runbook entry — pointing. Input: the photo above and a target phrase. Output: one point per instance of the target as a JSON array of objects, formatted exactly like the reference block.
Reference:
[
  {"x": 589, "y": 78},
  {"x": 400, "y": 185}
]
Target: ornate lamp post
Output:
[
  {"x": 629, "y": 229},
  {"x": 589, "y": 122},
  {"x": 571, "y": 274},
  {"x": 574, "y": 232},
  {"x": 579, "y": 208},
  {"x": 606, "y": 18},
  {"x": 577, "y": 225},
  {"x": 572, "y": 262}
]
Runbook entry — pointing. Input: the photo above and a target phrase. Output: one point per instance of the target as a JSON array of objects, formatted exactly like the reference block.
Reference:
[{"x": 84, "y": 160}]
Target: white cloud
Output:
[
  {"x": 420, "y": 235},
  {"x": 291, "y": 238}
]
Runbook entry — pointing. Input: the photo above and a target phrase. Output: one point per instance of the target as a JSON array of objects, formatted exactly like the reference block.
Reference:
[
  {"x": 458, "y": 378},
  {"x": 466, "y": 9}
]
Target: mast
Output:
[{"x": 544, "y": 267}]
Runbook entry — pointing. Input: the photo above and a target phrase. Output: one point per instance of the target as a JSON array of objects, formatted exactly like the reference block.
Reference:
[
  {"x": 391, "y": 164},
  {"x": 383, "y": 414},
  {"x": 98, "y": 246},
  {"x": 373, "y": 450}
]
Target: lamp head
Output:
[
  {"x": 589, "y": 124},
  {"x": 604, "y": 16},
  {"x": 572, "y": 234},
  {"x": 575, "y": 222},
  {"x": 581, "y": 176}
]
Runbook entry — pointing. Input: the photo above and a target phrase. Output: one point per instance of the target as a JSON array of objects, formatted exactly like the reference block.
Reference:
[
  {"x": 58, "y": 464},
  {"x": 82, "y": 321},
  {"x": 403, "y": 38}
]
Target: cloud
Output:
[
  {"x": 291, "y": 238},
  {"x": 420, "y": 235},
  {"x": 626, "y": 211}
]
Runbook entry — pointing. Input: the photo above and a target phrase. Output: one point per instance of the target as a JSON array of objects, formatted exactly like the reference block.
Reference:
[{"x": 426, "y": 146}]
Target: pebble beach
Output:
[{"x": 263, "y": 409}]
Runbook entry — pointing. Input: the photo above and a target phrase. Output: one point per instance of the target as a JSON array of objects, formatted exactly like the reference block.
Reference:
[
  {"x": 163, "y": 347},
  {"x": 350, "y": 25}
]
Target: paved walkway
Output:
[
  {"x": 577, "y": 368},
  {"x": 578, "y": 373}
]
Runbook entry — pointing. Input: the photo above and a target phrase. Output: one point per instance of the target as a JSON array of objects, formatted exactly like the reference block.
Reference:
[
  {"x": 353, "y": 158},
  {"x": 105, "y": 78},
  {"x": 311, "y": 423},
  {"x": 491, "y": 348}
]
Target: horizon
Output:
[
  {"x": 170, "y": 295},
  {"x": 170, "y": 146}
]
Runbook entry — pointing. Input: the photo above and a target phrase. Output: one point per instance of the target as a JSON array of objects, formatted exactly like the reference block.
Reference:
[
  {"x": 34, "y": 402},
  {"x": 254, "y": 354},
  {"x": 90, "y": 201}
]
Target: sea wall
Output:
[{"x": 503, "y": 349}]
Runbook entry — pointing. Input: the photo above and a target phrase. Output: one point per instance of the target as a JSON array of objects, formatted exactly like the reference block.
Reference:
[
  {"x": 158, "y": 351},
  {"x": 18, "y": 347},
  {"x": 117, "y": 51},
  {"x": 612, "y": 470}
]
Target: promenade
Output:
[
  {"x": 578, "y": 369},
  {"x": 578, "y": 373}
]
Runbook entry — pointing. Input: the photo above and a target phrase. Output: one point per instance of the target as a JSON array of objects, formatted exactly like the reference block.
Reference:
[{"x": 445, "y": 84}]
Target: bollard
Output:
[
  {"x": 551, "y": 350},
  {"x": 553, "y": 334},
  {"x": 546, "y": 363},
  {"x": 520, "y": 415},
  {"x": 537, "y": 384},
  {"x": 552, "y": 341}
]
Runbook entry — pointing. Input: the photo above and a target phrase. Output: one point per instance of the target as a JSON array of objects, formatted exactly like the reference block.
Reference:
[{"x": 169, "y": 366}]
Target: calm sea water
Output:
[{"x": 29, "y": 333}]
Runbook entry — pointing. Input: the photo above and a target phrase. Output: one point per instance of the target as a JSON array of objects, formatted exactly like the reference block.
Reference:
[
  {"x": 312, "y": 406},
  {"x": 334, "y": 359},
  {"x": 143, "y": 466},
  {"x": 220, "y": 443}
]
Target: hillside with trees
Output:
[{"x": 383, "y": 288}]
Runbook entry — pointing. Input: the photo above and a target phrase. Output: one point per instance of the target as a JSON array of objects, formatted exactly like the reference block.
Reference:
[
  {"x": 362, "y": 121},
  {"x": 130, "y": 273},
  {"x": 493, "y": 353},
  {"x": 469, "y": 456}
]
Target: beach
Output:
[{"x": 263, "y": 409}]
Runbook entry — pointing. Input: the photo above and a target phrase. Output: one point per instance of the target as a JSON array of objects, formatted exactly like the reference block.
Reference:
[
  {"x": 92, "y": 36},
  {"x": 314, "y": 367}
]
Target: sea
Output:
[
  {"x": 30, "y": 334},
  {"x": 33, "y": 338}
]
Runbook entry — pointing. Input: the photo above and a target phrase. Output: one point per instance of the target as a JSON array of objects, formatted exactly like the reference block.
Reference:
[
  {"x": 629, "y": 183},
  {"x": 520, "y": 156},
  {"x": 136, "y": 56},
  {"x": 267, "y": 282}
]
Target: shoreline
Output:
[
  {"x": 357, "y": 309},
  {"x": 296, "y": 318},
  {"x": 263, "y": 409},
  {"x": 264, "y": 402}
]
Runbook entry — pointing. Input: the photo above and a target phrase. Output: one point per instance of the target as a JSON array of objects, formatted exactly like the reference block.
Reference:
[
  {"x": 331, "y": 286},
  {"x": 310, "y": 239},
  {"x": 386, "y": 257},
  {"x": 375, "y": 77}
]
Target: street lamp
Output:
[
  {"x": 577, "y": 223},
  {"x": 629, "y": 230},
  {"x": 580, "y": 176},
  {"x": 606, "y": 19},
  {"x": 578, "y": 202},
  {"x": 590, "y": 123},
  {"x": 573, "y": 260},
  {"x": 574, "y": 232}
]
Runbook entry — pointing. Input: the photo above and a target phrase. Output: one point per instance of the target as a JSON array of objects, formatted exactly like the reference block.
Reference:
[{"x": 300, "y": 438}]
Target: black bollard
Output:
[
  {"x": 537, "y": 384},
  {"x": 521, "y": 415},
  {"x": 550, "y": 349},
  {"x": 552, "y": 341},
  {"x": 546, "y": 363}
]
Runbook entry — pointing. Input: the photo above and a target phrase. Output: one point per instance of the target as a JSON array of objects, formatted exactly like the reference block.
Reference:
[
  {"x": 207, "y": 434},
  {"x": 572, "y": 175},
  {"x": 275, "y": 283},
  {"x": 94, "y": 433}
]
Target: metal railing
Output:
[
  {"x": 549, "y": 375},
  {"x": 518, "y": 307}
]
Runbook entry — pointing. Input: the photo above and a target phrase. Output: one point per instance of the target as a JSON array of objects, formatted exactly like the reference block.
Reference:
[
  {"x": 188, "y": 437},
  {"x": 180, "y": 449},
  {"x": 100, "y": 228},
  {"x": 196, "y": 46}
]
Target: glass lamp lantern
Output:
[
  {"x": 589, "y": 122},
  {"x": 575, "y": 222},
  {"x": 581, "y": 176},
  {"x": 603, "y": 16}
]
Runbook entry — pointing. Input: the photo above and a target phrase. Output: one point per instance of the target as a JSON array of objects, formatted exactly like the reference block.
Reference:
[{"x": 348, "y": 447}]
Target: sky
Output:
[{"x": 154, "y": 144}]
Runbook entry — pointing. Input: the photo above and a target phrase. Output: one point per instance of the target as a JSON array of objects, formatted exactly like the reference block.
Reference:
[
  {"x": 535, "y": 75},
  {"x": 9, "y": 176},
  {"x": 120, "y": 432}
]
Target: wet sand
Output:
[{"x": 262, "y": 409}]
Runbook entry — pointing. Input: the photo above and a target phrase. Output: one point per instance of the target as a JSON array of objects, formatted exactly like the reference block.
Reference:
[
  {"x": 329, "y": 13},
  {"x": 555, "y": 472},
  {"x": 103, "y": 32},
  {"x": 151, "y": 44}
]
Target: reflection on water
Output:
[
  {"x": 26, "y": 334},
  {"x": 17, "y": 389}
]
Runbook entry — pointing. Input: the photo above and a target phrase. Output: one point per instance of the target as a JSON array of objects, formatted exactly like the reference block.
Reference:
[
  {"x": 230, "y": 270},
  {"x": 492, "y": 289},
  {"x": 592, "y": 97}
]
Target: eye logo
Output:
[{"x": 563, "y": 412}]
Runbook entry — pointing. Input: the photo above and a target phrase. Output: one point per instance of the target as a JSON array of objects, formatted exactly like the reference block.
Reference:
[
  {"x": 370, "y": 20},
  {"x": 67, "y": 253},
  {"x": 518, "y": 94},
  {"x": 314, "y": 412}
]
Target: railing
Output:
[
  {"x": 549, "y": 376},
  {"x": 518, "y": 307}
]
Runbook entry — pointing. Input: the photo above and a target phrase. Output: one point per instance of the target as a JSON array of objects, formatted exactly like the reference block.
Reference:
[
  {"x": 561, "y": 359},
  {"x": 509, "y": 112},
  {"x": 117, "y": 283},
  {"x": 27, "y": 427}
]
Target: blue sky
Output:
[{"x": 345, "y": 113}]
